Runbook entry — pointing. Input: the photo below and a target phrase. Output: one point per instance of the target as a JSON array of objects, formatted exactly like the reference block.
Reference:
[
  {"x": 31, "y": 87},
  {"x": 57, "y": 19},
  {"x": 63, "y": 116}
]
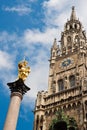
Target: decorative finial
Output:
[
  {"x": 23, "y": 70},
  {"x": 55, "y": 43},
  {"x": 55, "y": 39},
  {"x": 73, "y": 14},
  {"x": 73, "y": 7}
]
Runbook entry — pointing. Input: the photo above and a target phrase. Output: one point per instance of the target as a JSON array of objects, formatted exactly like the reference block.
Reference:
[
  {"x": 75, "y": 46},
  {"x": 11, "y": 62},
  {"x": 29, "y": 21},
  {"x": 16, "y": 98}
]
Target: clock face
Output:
[{"x": 66, "y": 62}]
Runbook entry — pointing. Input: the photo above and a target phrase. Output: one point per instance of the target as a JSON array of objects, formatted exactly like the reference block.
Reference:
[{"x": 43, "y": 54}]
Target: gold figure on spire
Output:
[{"x": 23, "y": 70}]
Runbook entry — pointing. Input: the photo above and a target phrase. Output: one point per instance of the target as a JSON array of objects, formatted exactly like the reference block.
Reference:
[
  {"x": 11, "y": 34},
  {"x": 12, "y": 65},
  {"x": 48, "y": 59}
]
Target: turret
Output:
[
  {"x": 54, "y": 50},
  {"x": 73, "y": 36}
]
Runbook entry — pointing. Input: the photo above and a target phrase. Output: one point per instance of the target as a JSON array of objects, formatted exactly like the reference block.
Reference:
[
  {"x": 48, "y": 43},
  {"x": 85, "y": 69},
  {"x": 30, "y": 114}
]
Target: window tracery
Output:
[
  {"x": 72, "y": 81},
  {"x": 61, "y": 84}
]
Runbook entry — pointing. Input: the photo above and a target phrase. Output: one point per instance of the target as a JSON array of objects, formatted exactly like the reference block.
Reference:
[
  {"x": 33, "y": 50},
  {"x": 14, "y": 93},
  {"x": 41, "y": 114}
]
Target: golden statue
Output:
[{"x": 23, "y": 70}]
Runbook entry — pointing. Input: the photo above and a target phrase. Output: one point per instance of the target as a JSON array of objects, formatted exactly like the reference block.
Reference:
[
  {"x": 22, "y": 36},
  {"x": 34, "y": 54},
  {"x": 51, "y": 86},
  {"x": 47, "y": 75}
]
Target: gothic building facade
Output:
[{"x": 67, "y": 82}]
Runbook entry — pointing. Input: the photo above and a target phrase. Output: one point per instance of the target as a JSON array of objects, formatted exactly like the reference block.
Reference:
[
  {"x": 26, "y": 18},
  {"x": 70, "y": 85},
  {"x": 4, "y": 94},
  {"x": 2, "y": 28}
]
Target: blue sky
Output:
[{"x": 28, "y": 29}]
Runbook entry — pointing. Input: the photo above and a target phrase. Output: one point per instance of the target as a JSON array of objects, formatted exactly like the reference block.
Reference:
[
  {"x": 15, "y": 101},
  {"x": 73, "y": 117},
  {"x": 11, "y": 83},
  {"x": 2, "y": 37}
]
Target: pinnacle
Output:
[
  {"x": 73, "y": 14},
  {"x": 55, "y": 43}
]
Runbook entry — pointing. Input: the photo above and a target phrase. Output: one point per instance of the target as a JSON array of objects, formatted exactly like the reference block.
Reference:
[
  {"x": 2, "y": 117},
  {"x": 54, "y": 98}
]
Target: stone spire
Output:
[
  {"x": 55, "y": 43},
  {"x": 73, "y": 14}
]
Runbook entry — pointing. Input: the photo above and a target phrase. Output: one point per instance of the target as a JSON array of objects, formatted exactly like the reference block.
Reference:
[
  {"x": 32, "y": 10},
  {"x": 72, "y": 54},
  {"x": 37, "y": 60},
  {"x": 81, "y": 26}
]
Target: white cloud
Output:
[
  {"x": 44, "y": 37},
  {"x": 6, "y": 61},
  {"x": 38, "y": 79},
  {"x": 54, "y": 5},
  {"x": 7, "y": 67},
  {"x": 21, "y": 9},
  {"x": 7, "y": 37},
  {"x": 53, "y": 10}
]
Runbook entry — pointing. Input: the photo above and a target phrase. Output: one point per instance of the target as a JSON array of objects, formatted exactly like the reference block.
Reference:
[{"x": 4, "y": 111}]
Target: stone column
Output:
[{"x": 18, "y": 89}]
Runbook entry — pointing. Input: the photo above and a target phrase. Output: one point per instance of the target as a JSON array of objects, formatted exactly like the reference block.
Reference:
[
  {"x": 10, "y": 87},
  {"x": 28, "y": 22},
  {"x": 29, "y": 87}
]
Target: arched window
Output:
[
  {"x": 74, "y": 106},
  {"x": 41, "y": 118},
  {"x": 85, "y": 104},
  {"x": 76, "y": 39},
  {"x": 79, "y": 104},
  {"x": 50, "y": 112},
  {"x": 72, "y": 81},
  {"x": 37, "y": 121},
  {"x": 86, "y": 116},
  {"x": 75, "y": 26},
  {"x": 46, "y": 113},
  {"x": 41, "y": 127},
  {"x": 61, "y": 84},
  {"x": 64, "y": 108},
  {"x": 70, "y": 26},
  {"x": 69, "y": 107},
  {"x": 55, "y": 110},
  {"x": 37, "y": 118},
  {"x": 69, "y": 39}
]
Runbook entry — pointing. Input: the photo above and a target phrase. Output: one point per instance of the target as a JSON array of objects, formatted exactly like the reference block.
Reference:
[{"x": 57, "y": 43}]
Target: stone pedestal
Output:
[{"x": 18, "y": 89}]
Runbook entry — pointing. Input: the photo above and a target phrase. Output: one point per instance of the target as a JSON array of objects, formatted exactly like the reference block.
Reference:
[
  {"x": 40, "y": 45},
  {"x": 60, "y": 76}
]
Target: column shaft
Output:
[{"x": 13, "y": 111}]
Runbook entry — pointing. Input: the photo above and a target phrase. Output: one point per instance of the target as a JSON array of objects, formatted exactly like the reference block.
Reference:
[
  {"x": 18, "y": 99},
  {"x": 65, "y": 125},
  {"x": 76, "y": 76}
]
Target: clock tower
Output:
[{"x": 67, "y": 83}]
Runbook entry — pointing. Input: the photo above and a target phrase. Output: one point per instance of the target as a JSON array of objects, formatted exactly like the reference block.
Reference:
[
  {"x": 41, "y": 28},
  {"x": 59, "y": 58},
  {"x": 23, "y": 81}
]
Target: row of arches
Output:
[
  {"x": 64, "y": 108},
  {"x": 72, "y": 26},
  {"x": 39, "y": 122},
  {"x": 39, "y": 118},
  {"x": 76, "y": 40}
]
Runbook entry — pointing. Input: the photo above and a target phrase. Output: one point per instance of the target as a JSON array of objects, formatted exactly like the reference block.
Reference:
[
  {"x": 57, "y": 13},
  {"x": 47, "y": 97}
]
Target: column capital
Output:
[{"x": 18, "y": 86}]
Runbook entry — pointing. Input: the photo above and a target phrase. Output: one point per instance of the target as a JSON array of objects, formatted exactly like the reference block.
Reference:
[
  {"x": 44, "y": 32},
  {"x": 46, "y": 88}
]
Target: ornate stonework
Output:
[{"x": 67, "y": 87}]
